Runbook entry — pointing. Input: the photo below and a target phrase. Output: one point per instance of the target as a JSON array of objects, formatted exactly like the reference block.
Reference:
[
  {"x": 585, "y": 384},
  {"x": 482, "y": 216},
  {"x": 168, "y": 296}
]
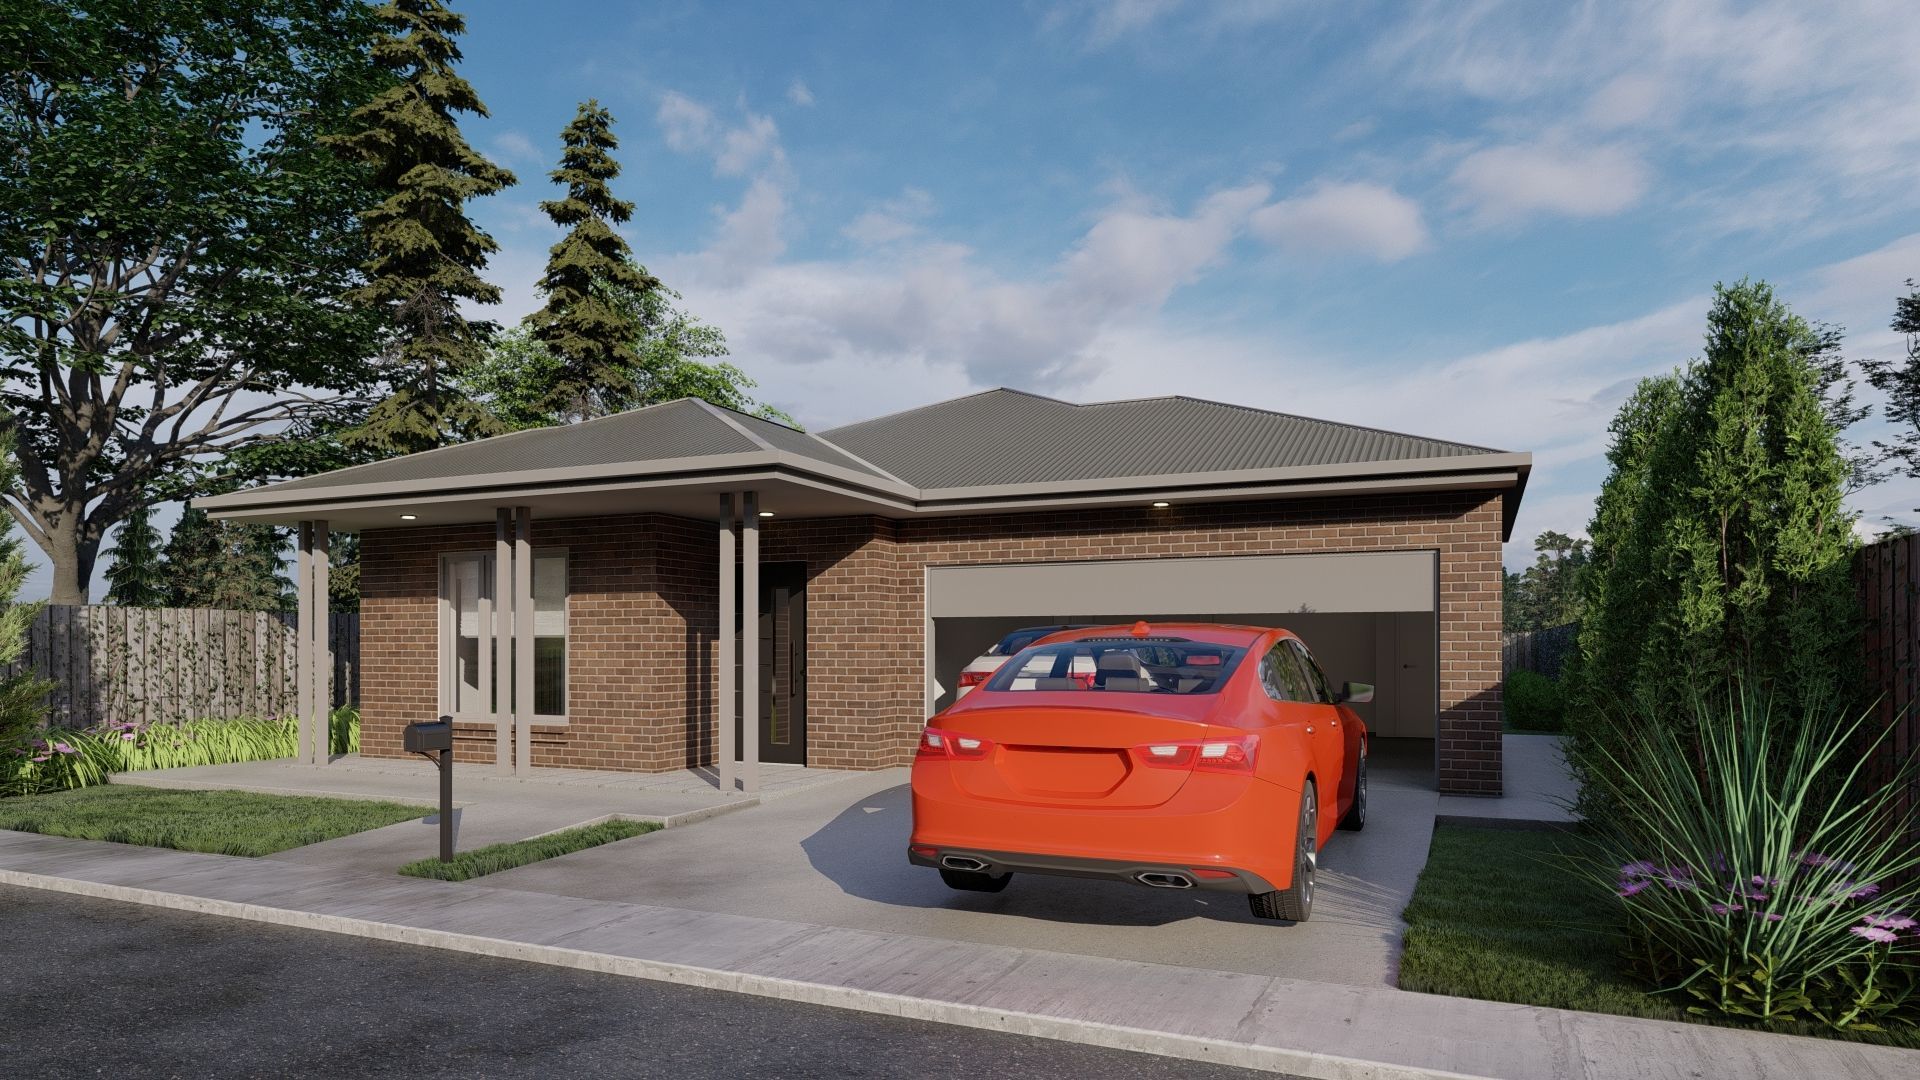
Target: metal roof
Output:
[
  {"x": 989, "y": 452},
  {"x": 1012, "y": 437}
]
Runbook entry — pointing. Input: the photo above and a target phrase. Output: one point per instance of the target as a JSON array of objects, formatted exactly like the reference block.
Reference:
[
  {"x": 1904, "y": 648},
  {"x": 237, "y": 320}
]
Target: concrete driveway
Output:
[{"x": 836, "y": 856}]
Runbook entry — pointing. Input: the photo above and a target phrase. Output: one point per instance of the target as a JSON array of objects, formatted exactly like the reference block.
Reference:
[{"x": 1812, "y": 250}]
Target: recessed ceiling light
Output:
[
  {"x": 407, "y": 517},
  {"x": 766, "y": 513},
  {"x": 1160, "y": 506}
]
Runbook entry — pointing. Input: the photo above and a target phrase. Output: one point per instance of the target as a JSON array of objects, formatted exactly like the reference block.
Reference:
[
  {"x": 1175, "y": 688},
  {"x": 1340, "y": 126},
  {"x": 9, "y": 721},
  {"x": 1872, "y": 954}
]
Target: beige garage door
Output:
[{"x": 1367, "y": 617}]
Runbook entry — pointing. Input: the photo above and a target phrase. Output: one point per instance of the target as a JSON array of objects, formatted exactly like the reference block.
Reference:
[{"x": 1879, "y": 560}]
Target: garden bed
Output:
[
  {"x": 220, "y": 822},
  {"x": 1496, "y": 916},
  {"x": 494, "y": 858}
]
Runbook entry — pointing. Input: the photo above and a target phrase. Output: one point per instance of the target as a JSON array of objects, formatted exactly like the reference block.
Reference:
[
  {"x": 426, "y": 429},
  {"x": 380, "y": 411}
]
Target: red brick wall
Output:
[{"x": 643, "y": 603}]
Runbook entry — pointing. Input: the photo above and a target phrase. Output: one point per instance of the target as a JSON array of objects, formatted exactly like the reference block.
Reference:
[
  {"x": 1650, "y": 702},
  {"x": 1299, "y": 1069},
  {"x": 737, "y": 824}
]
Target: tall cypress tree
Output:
[
  {"x": 136, "y": 576},
  {"x": 591, "y": 336},
  {"x": 425, "y": 253},
  {"x": 221, "y": 564},
  {"x": 194, "y": 563}
]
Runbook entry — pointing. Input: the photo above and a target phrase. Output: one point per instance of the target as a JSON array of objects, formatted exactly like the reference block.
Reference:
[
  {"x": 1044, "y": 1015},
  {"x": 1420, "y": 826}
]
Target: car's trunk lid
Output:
[{"x": 1072, "y": 756}]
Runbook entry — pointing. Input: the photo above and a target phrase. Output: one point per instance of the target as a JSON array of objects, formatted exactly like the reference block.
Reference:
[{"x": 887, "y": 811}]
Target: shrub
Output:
[
  {"x": 1753, "y": 886},
  {"x": 1534, "y": 702},
  {"x": 58, "y": 760}
]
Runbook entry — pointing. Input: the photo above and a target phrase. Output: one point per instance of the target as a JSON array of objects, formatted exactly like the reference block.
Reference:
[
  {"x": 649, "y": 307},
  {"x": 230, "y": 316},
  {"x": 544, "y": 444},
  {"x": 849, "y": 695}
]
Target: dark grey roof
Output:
[
  {"x": 673, "y": 429},
  {"x": 789, "y": 440},
  {"x": 1012, "y": 437}
]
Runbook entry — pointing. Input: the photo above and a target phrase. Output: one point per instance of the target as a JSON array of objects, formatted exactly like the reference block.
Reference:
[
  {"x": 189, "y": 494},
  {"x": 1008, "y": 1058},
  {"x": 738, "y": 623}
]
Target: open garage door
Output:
[{"x": 1367, "y": 617}]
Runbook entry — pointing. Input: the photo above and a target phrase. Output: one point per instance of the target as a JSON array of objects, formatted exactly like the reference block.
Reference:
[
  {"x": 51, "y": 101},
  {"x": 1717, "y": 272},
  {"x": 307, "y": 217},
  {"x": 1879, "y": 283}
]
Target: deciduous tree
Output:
[{"x": 174, "y": 245}]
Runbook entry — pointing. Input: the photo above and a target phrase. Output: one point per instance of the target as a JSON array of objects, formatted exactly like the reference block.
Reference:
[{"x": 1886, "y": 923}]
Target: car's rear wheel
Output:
[
  {"x": 1295, "y": 902},
  {"x": 974, "y": 880},
  {"x": 1356, "y": 817}
]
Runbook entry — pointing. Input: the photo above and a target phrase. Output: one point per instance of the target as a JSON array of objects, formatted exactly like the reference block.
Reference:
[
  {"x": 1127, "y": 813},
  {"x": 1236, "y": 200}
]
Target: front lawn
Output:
[
  {"x": 494, "y": 858},
  {"x": 1496, "y": 917},
  {"x": 221, "y": 822}
]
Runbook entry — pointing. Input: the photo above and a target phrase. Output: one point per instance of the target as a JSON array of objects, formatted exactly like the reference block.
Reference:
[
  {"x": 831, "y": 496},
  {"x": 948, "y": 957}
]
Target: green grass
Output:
[
  {"x": 494, "y": 858},
  {"x": 1496, "y": 916},
  {"x": 222, "y": 822}
]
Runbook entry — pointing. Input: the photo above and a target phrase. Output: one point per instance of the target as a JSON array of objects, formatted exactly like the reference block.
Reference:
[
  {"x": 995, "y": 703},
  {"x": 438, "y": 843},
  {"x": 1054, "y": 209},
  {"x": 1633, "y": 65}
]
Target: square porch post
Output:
[
  {"x": 750, "y": 643},
  {"x": 303, "y": 643},
  {"x": 523, "y": 641},
  {"x": 496, "y": 634},
  {"x": 320, "y": 749},
  {"x": 724, "y": 631}
]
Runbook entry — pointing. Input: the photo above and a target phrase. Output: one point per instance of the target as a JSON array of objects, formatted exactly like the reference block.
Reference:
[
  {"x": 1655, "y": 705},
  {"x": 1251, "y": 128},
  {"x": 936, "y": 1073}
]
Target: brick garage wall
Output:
[{"x": 641, "y": 657}]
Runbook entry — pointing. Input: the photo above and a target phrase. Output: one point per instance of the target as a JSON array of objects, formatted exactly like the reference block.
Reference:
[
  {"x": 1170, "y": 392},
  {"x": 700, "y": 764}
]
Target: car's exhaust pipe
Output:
[
  {"x": 1165, "y": 881},
  {"x": 962, "y": 862}
]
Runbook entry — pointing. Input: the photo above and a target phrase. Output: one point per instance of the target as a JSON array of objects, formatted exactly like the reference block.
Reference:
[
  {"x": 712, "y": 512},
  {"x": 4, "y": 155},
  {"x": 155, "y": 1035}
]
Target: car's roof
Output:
[{"x": 1212, "y": 633}]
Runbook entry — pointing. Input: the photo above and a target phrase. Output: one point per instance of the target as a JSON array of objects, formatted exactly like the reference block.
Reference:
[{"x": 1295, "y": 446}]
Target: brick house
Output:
[{"x": 875, "y": 560}]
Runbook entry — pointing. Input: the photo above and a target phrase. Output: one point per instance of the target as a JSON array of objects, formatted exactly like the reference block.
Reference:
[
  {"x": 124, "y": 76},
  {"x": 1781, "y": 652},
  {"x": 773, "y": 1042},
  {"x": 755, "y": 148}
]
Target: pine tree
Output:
[
  {"x": 591, "y": 336},
  {"x": 136, "y": 577},
  {"x": 426, "y": 253},
  {"x": 220, "y": 564},
  {"x": 194, "y": 563}
]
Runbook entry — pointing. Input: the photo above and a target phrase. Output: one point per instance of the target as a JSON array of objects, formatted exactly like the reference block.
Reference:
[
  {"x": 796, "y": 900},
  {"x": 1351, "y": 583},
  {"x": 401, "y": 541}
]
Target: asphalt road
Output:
[{"x": 99, "y": 988}]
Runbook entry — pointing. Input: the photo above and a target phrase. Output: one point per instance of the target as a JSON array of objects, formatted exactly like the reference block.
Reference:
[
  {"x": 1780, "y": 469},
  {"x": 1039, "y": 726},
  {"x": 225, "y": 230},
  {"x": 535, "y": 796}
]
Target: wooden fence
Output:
[
  {"x": 1544, "y": 651},
  {"x": 152, "y": 664},
  {"x": 1888, "y": 576}
]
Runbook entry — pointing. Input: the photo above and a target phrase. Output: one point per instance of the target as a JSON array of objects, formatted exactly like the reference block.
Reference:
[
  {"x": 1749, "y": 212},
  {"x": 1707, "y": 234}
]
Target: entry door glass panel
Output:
[{"x": 467, "y": 581}]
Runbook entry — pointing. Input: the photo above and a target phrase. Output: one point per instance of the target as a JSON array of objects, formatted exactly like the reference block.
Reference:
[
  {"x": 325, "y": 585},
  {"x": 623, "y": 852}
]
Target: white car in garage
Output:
[{"x": 989, "y": 662}]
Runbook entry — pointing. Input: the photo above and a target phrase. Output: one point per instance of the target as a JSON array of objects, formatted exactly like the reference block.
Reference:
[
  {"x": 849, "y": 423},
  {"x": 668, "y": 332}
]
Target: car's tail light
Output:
[
  {"x": 938, "y": 742},
  {"x": 1214, "y": 755},
  {"x": 973, "y": 678},
  {"x": 1209, "y": 872}
]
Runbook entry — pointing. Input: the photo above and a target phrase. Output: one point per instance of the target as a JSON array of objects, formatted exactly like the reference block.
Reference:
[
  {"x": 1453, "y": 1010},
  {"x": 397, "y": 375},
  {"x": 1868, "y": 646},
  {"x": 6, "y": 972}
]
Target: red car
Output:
[{"x": 1198, "y": 756}]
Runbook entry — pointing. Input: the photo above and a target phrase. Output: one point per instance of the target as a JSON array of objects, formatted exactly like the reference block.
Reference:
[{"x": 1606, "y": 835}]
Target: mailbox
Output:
[{"x": 429, "y": 736}]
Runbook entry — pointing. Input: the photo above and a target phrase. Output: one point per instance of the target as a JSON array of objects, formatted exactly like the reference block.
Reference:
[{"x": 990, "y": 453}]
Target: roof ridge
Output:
[
  {"x": 721, "y": 414},
  {"x": 1296, "y": 416},
  {"x": 951, "y": 401}
]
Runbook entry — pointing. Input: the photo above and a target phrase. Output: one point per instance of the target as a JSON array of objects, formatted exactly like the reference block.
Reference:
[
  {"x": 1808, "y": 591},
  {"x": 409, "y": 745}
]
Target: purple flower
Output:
[
  {"x": 1640, "y": 869},
  {"x": 127, "y": 736},
  {"x": 1723, "y": 909},
  {"x": 1875, "y": 933},
  {"x": 1629, "y": 888},
  {"x": 42, "y": 757},
  {"x": 1769, "y": 916},
  {"x": 1863, "y": 891},
  {"x": 64, "y": 748},
  {"x": 1761, "y": 881},
  {"x": 1891, "y": 921},
  {"x": 1677, "y": 877}
]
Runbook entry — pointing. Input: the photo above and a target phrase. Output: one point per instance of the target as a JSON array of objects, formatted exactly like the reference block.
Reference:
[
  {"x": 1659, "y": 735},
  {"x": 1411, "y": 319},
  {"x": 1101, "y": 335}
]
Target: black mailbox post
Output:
[{"x": 433, "y": 739}]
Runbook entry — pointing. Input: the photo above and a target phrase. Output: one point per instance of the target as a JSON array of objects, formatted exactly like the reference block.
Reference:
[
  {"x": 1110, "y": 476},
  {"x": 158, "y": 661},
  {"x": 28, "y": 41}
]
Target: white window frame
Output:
[{"x": 448, "y": 622}]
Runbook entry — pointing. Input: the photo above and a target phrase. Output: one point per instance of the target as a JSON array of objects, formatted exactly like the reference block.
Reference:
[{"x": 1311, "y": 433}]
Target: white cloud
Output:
[
  {"x": 513, "y": 148},
  {"x": 891, "y": 221},
  {"x": 749, "y": 236},
  {"x": 1353, "y": 218},
  {"x": 1625, "y": 101},
  {"x": 800, "y": 94},
  {"x": 691, "y": 127},
  {"x": 1504, "y": 184}
]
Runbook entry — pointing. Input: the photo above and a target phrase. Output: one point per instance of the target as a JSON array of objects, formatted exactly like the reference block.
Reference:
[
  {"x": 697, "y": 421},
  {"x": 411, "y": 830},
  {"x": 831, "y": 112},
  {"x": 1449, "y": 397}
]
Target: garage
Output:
[{"x": 1367, "y": 617}]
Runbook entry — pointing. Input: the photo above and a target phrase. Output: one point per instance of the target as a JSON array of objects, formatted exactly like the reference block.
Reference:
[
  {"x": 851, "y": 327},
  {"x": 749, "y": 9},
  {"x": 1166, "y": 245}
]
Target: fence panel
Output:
[
  {"x": 156, "y": 664},
  {"x": 1888, "y": 577},
  {"x": 1543, "y": 651}
]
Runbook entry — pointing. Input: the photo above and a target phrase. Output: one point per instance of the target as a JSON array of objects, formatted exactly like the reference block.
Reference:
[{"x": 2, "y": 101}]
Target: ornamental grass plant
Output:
[
  {"x": 1762, "y": 875},
  {"x": 57, "y": 760}
]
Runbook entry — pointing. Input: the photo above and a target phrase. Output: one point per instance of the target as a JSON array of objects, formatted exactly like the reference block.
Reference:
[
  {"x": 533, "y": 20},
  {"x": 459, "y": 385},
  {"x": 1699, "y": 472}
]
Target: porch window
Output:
[{"x": 467, "y": 578}]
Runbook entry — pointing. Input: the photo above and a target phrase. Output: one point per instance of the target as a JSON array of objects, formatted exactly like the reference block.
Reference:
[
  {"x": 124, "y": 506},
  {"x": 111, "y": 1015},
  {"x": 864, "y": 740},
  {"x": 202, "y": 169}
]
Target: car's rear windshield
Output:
[{"x": 1120, "y": 665}]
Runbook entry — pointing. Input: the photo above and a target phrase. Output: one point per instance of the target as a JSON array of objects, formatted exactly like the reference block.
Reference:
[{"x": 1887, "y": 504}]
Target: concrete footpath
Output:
[{"x": 1258, "y": 1021}]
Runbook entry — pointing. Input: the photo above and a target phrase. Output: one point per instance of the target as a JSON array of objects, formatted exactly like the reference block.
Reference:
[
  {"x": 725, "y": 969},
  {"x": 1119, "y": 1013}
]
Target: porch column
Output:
[
  {"x": 496, "y": 634},
  {"x": 303, "y": 643},
  {"x": 523, "y": 641},
  {"x": 322, "y": 744},
  {"x": 728, "y": 607},
  {"x": 750, "y": 643}
]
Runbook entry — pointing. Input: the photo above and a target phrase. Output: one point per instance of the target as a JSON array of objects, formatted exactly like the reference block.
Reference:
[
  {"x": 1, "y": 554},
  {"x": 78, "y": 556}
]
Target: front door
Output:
[{"x": 783, "y": 664}]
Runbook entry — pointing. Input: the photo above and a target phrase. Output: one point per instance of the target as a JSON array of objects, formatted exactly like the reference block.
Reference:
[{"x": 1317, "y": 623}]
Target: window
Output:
[
  {"x": 1279, "y": 676},
  {"x": 467, "y": 583},
  {"x": 1130, "y": 666}
]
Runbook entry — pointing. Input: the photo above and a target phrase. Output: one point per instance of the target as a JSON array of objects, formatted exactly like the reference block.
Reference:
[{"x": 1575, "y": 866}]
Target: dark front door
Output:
[{"x": 783, "y": 664}]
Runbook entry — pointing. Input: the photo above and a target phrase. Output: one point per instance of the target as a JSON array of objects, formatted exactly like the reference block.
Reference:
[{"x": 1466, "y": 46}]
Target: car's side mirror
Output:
[{"x": 1354, "y": 693}]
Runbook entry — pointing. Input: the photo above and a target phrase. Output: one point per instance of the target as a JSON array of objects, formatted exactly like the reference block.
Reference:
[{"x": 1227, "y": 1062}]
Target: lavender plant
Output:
[{"x": 1762, "y": 876}]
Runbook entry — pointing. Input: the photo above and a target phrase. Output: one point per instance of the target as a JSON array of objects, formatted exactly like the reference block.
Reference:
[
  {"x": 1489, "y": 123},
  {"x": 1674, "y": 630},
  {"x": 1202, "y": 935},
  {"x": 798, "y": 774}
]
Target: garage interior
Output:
[{"x": 1367, "y": 617}]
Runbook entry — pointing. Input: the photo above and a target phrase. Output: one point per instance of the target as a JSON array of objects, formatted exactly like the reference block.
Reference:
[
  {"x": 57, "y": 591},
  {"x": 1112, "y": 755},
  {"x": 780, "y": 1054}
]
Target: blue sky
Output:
[{"x": 1474, "y": 220}]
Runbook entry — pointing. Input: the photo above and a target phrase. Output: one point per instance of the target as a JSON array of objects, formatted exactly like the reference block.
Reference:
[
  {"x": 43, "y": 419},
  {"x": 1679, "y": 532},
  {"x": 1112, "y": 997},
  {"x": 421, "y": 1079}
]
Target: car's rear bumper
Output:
[{"x": 1172, "y": 875}]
